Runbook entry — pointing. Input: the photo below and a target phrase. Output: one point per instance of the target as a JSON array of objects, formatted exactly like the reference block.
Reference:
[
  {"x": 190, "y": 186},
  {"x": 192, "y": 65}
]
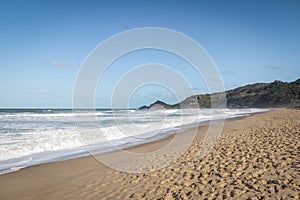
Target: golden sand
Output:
[{"x": 256, "y": 157}]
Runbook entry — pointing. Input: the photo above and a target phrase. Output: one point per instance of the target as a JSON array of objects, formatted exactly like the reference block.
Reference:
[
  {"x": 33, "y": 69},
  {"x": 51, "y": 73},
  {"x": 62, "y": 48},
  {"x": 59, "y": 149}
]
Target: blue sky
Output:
[{"x": 43, "y": 44}]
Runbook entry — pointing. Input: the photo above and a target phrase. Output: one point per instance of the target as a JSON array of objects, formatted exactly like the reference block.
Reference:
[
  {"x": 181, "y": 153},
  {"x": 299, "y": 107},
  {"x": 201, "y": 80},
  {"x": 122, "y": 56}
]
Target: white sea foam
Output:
[{"x": 29, "y": 138}]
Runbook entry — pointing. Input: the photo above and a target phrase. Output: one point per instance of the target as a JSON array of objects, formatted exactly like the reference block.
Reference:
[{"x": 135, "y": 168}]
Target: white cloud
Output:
[
  {"x": 57, "y": 63},
  {"x": 227, "y": 72},
  {"x": 273, "y": 67},
  {"x": 38, "y": 91}
]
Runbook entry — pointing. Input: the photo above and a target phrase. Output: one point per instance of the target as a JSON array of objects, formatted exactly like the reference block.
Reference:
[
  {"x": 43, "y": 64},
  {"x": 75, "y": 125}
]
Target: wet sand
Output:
[{"x": 256, "y": 157}]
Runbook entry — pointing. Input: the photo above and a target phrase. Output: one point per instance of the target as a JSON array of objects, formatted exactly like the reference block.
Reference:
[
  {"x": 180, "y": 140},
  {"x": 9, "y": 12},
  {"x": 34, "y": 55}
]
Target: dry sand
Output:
[{"x": 257, "y": 157}]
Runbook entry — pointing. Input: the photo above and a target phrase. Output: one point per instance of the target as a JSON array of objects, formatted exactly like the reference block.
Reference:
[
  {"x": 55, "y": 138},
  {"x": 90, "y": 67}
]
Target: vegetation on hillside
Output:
[{"x": 258, "y": 95}]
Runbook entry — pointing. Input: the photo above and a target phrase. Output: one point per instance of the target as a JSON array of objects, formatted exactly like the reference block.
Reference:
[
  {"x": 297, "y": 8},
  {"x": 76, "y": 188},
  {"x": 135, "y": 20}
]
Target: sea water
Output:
[{"x": 34, "y": 136}]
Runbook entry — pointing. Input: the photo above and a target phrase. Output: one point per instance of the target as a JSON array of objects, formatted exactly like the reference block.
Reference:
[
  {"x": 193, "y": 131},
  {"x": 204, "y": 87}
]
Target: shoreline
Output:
[
  {"x": 85, "y": 177},
  {"x": 83, "y": 151}
]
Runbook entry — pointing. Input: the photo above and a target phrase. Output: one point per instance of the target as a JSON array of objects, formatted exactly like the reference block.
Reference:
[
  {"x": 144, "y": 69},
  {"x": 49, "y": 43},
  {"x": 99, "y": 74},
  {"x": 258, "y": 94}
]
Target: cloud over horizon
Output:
[
  {"x": 39, "y": 91},
  {"x": 273, "y": 67},
  {"x": 57, "y": 63},
  {"x": 227, "y": 72}
]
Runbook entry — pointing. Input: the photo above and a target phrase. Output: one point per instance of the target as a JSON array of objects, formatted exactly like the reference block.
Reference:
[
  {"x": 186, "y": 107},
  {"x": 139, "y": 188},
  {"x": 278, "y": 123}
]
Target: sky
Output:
[{"x": 44, "y": 44}]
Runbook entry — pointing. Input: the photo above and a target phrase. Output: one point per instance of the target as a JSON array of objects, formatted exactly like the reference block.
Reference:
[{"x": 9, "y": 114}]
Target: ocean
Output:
[{"x": 34, "y": 136}]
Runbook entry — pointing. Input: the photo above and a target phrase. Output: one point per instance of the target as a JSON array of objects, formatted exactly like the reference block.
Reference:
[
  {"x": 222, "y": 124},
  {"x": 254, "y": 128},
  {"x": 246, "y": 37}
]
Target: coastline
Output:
[
  {"x": 85, "y": 177},
  {"x": 62, "y": 144}
]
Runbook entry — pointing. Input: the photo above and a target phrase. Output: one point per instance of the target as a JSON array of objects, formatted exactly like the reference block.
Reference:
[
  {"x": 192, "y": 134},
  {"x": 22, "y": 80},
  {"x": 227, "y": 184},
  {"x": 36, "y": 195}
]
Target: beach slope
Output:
[{"x": 256, "y": 157}]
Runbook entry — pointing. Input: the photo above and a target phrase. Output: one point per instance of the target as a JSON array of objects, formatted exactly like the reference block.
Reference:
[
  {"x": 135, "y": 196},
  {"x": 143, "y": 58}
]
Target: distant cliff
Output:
[{"x": 259, "y": 95}]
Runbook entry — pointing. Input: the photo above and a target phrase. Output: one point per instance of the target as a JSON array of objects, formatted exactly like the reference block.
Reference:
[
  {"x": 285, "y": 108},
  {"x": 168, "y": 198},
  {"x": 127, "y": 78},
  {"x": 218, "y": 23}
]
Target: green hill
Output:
[{"x": 258, "y": 95}]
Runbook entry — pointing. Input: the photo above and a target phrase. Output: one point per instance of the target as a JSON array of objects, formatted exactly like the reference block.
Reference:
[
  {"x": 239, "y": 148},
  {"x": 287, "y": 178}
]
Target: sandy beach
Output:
[{"x": 256, "y": 157}]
